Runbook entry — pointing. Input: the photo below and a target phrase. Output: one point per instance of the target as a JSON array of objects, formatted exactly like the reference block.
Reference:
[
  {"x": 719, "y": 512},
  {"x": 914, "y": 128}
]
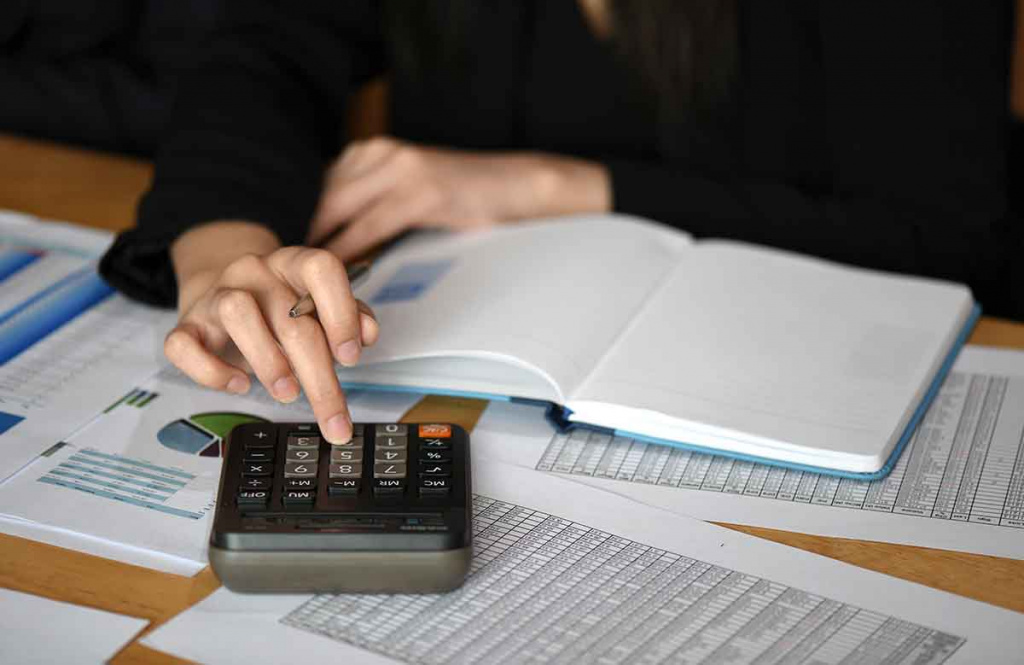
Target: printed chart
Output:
[{"x": 131, "y": 481}]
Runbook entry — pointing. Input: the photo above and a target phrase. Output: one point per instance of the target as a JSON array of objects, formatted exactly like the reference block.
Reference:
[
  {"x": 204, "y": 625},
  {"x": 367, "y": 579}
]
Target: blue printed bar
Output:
[{"x": 46, "y": 312}]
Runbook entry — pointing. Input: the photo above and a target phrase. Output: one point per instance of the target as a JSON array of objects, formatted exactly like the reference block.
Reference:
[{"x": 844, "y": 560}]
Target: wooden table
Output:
[{"x": 102, "y": 190}]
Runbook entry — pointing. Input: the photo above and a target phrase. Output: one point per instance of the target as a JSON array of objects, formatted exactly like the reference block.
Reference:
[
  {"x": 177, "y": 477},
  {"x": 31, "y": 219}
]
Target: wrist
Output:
[{"x": 566, "y": 185}]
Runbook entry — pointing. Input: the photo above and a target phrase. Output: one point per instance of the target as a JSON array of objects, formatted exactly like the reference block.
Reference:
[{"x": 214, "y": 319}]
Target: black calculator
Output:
[{"x": 387, "y": 512}]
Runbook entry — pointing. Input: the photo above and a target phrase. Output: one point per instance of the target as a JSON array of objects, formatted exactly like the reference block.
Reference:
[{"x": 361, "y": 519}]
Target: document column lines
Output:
[
  {"x": 1013, "y": 504},
  {"x": 956, "y": 461},
  {"x": 984, "y": 432}
]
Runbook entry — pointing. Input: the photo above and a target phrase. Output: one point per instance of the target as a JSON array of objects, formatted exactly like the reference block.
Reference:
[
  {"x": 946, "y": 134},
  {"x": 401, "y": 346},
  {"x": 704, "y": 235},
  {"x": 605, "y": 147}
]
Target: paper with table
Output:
[
  {"x": 68, "y": 344},
  {"x": 36, "y": 630},
  {"x": 565, "y": 572},
  {"x": 959, "y": 485},
  {"x": 138, "y": 482}
]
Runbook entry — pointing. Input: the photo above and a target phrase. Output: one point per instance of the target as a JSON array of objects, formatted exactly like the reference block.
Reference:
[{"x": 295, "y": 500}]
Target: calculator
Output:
[{"x": 387, "y": 512}]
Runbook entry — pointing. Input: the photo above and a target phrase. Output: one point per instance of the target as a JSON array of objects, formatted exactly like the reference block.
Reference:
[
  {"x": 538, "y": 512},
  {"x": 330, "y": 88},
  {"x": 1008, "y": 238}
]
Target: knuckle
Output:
[
  {"x": 408, "y": 158},
  {"x": 298, "y": 330},
  {"x": 176, "y": 345},
  {"x": 320, "y": 264},
  {"x": 379, "y": 143},
  {"x": 236, "y": 305},
  {"x": 244, "y": 266}
]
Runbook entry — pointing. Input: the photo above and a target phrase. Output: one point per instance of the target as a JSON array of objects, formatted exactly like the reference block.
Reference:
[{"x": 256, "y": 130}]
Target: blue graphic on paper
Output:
[
  {"x": 8, "y": 420},
  {"x": 411, "y": 281}
]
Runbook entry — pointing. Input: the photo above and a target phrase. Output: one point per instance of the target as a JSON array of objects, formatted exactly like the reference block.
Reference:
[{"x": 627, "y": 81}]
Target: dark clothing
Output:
[
  {"x": 871, "y": 133},
  {"x": 99, "y": 73}
]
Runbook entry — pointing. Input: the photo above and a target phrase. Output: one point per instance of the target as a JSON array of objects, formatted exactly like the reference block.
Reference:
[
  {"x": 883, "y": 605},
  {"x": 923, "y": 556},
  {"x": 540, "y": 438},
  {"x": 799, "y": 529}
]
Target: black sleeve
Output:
[
  {"x": 253, "y": 127},
  {"x": 916, "y": 110}
]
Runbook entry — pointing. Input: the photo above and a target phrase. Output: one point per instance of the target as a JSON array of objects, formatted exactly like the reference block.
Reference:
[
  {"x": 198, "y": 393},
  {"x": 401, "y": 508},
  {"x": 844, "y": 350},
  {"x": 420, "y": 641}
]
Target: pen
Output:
[{"x": 305, "y": 304}]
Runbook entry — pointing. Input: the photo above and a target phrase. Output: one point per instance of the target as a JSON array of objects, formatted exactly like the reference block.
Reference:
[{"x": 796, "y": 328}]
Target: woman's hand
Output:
[
  {"x": 382, "y": 187},
  {"x": 234, "y": 315}
]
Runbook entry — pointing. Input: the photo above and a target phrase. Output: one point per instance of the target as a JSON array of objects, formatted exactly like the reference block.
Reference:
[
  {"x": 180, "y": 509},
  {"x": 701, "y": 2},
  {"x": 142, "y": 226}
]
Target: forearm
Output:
[{"x": 201, "y": 254}]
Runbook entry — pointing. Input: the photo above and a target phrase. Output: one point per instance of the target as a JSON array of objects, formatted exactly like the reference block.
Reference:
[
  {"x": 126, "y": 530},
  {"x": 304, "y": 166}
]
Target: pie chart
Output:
[{"x": 202, "y": 433}]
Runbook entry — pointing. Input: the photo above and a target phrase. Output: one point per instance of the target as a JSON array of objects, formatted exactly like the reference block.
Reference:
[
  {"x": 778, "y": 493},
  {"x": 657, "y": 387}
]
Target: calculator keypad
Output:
[{"x": 382, "y": 462}]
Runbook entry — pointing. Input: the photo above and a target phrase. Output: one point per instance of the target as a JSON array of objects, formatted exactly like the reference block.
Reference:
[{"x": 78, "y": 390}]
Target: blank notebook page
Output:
[{"x": 800, "y": 351}]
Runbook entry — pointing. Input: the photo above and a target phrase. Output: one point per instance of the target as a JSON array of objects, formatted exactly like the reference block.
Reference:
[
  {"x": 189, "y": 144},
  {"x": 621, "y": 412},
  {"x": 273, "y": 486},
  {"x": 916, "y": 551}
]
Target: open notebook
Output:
[{"x": 626, "y": 325}]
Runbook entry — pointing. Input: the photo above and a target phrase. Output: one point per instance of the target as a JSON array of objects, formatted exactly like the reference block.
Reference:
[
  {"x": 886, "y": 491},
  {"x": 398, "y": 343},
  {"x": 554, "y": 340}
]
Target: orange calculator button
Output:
[{"x": 436, "y": 431}]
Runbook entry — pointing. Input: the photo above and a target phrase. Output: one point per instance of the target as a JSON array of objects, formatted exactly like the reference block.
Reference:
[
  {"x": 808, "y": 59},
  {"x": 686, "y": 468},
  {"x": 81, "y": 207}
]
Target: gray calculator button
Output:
[
  {"x": 346, "y": 455},
  {"x": 354, "y": 470},
  {"x": 356, "y": 442},
  {"x": 300, "y": 470},
  {"x": 386, "y": 441},
  {"x": 389, "y": 455},
  {"x": 388, "y": 470},
  {"x": 301, "y": 455},
  {"x": 304, "y": 441},
  {"x": 393, "y": 429}
]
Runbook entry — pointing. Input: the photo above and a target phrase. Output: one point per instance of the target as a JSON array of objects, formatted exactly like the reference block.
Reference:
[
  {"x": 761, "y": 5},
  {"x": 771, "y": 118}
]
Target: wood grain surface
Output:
[{"x": 102, "y": 190}]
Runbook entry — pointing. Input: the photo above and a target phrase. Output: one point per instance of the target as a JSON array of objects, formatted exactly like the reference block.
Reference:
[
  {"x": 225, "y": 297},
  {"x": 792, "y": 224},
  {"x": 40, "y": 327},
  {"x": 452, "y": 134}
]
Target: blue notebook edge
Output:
[{"x": 559, "y": 416}]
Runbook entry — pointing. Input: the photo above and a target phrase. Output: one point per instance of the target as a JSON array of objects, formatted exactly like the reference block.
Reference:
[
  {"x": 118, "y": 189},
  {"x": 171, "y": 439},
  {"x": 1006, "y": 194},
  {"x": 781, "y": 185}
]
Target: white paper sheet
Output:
[
  {"x": 959, "y": 485},
  {"x": 565, "y": 572},
  {"x": 140, "y": 480},
  {"x": 39, "y": 630},
  {"x": 57, "y": 380}
]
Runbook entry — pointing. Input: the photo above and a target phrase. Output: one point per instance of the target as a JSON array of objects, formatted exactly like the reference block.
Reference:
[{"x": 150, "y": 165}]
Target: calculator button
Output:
[
  {"x": 393, "y": 429},
  {"x": 345, "y": 455},
  {"x": 352, "y": 470},
  {"x": 299, "y": 496},
  {"x": 431, "y": 469},
  {"x": 263, "y": 434},
  {"x": 257, "y": 469},
  {"x": 343, "y": 486},
  {"x": 300, "y": 470},
  {"x": 301, "y": 455},
  {"x": 253, "y": 497},
  {"x": 436, "y": 431},
  {"x": 300, "y": 483},
  {"x": 389, "y": 455},
  {"x": 258, "y": 455},
  {"x": 303, "y": 441},
  {"x": 435, "y": 456},
  {"x": 436, "y": 444},
  {"x": 356, "y": 442},
  {"x": 259, "y": 443},
  {"x": 388, "y": 486},
  {"x": 388, "y": 441},
  {"x": 434, "y": 486},
  {"x": 388, "y": 470},
  {"x": 255, "y": 483}
]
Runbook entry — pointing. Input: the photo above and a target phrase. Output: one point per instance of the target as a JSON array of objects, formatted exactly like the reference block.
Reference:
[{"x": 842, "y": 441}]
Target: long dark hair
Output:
[{"x": 685, "y": 50}]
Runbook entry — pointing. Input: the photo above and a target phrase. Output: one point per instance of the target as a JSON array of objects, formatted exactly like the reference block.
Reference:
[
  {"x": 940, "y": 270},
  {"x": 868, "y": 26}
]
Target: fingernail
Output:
[
  {"x": 339, "y": 428},
  {"x": 238, "y": 385},
  {"x": 348, "y": 353},
  {"x": 369, "y": 327},
  {"x": 286, "y": 389}
]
